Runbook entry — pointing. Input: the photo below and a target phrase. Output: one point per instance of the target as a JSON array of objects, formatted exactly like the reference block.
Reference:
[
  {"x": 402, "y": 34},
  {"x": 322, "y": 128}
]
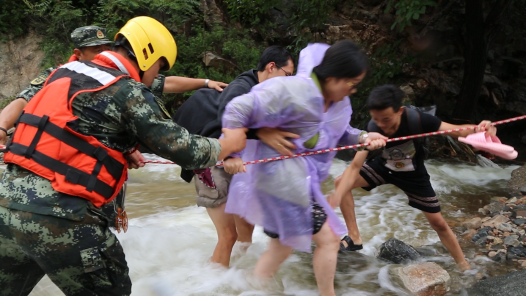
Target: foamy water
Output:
[{"x": 170, "y": 240}]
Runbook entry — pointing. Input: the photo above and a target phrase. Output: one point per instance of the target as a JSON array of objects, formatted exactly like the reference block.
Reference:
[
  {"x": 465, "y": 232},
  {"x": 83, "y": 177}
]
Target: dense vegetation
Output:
[{"x": 239, "y": 33}]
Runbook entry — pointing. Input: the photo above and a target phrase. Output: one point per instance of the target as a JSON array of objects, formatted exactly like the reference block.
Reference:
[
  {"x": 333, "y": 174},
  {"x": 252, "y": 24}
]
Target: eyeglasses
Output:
[
  {"x": 352, "y": 85},
  {"x": 286, "y": 73}
]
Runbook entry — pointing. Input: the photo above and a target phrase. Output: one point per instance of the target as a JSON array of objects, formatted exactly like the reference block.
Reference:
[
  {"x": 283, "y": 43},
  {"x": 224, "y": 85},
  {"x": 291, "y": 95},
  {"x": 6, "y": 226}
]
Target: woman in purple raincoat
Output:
[{"x": 285, "y": 196}]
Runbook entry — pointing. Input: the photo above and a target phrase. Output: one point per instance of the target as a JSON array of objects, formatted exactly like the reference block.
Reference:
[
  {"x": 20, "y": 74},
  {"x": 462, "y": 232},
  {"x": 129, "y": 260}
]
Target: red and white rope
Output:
[
  {"x": 351, "y": 146},
  {"x": 359, "y": 145}
]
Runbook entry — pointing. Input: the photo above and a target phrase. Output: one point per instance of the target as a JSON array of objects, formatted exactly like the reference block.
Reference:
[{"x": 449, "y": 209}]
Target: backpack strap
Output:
[{"x": 414, "y": 123}]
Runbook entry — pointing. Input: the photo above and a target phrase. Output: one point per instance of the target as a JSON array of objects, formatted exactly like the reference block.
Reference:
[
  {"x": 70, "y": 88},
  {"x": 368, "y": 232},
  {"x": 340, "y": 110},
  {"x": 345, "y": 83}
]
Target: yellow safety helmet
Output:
[{"x": 150, "y": 41}]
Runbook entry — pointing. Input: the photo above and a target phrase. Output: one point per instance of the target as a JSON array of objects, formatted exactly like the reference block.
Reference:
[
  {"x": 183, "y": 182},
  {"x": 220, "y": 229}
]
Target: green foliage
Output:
[
  {"x": 113, "y": 14},
  {"x": 251, "y": 12},
  {"x": 386, "y": 67},
  {"x": 12, "y": 14},
  {"x": 407, "y": 10},
  {"x": 302, "y": 17},
  {"x": 6, "y": 101},
  {"x": 230, "y": 43}
]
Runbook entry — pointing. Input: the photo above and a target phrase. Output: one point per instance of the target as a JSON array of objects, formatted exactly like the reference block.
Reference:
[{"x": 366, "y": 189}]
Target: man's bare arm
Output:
[{"x": 9, "y": 115}]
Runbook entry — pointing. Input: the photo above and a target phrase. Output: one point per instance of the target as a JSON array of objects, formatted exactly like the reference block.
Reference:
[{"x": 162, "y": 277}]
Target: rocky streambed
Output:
[{"x": 502, "y": 230}]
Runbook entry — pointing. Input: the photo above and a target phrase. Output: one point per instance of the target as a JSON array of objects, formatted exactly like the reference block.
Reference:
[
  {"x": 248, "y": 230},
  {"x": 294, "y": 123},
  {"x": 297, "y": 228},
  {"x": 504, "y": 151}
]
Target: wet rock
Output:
[
  {"x": 474, "y": 223},
  {"x": 495, "y": 221},
  {"x": 512, "y": 240},
  {"x": 511, "y": 284},
  {"x": 481, "y": 241},
  {"x": 483, "y": 211},
  {"x": 519, "y": 251},
  {"x": 396, "y": 251},
  {"x": 495, "y": 240},
  {"x": 519, "y": 221},
  {"x": 523, "y": 189},
  {"x": 479, "y": 235},
  {"x": 427, "y": 251},
  {"x": 506, "y": 227},
  {"x": 468, "y": 235},
  {"x": 495, "y": 207},
  {"x": 423, "y": 279},
  {"x": 496, "y": 247},
  {"x": 498, "y": 256},
  {"x": 518, "y": 180},
  {"x": 517, "y": 213}
]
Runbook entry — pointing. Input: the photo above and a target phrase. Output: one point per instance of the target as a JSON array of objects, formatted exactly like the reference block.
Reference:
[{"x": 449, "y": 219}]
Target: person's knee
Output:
[
  {"x": 227, "y": 236},
  {"x": 439, "y": 224}
]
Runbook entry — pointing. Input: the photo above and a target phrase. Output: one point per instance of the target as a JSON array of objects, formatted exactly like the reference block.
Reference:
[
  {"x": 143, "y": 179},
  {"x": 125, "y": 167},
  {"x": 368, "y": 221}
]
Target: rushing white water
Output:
[{"x": 170, "y": 240}]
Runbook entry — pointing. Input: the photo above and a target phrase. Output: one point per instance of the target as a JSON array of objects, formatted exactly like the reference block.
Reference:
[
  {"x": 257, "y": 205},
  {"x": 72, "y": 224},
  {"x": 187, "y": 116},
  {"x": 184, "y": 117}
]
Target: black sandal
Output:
[{"x": 350, "y": 245}]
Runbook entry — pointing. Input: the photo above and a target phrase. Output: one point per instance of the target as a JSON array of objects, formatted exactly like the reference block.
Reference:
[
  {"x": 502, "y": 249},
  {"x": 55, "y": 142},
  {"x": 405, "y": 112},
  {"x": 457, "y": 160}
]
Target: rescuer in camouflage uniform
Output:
[{"x": 43, "y": 231}]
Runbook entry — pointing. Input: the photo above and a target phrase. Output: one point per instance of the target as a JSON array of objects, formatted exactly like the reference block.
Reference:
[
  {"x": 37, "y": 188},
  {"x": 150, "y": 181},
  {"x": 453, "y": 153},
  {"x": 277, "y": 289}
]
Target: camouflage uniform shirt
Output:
[
  {"x": 119, "y": 116},
  {"x": 38, "y": 83}
]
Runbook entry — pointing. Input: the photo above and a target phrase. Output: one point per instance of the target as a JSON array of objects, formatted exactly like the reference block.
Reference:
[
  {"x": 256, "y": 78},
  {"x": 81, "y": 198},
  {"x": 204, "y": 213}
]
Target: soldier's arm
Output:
[
  {"x": 148, "y": 120},
  {"x": 10, "y": 113},
  {"x": 35, "y": 85}
]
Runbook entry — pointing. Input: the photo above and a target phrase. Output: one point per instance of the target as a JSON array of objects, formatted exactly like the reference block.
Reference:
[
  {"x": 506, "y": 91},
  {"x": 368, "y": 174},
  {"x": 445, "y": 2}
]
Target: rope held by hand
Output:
[{"x": 2, "y": 147}]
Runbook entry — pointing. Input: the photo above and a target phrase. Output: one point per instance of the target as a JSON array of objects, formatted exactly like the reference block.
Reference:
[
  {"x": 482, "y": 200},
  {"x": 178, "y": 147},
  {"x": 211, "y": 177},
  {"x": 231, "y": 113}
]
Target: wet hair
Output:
[
  {"x": 275, "y": 53},
  {"x": 385, "y": 96},
  {"x": 344, "y": 59}
]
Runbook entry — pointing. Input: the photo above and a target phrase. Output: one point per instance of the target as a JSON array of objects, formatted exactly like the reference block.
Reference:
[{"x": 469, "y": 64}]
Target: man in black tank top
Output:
[{"x": 401, "y": 163}]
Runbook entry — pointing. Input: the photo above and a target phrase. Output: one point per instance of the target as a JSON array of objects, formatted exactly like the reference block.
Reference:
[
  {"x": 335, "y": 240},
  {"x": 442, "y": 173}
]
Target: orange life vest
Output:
[{"x": 46, "y": 141}]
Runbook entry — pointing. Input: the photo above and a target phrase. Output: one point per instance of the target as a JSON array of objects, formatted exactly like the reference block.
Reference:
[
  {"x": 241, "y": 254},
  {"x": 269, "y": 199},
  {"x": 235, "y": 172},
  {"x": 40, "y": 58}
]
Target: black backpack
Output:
[{"x": 415, "y": 127}]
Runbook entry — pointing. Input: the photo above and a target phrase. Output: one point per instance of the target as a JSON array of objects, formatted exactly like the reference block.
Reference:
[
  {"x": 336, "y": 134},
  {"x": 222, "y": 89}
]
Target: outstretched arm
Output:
[
  {"x": 144, "y": 118},
  {"x": 178, "y": 84},
  {"x": 484, "y": 126},
  {"x": 348, "y": 178}
]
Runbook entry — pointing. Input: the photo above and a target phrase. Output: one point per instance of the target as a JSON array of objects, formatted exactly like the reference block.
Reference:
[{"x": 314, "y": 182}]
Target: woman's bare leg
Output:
[
  {"x": 324, "y": 260},
  {"x": 271, "y": 260},
  {"x": 226, "y": 234}
]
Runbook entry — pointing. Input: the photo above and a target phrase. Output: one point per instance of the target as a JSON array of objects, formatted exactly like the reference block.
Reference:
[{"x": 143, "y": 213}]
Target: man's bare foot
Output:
[{"x": 463, "y": 266}]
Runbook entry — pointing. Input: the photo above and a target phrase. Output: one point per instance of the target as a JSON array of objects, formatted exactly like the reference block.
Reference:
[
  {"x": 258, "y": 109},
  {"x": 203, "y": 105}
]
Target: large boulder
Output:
[
  {"x": 212, "y": 12},
  {"x": 517, "y": 182},
  {"x": 396, "y": 251},
  {"x": 511, "y": 284},
  {"x": 422, "y": 279}
]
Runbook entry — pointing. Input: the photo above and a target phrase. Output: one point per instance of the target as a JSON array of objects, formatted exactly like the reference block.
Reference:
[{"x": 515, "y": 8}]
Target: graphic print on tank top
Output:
[{"x": 400, "y": 158}]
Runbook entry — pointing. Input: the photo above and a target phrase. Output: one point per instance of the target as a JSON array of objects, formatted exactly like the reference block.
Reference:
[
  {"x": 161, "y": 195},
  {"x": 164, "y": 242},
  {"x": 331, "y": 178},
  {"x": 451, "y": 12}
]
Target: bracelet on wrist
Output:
[
  {"x": 3, "y": 129},
  {"x": 206, "y": 82}
]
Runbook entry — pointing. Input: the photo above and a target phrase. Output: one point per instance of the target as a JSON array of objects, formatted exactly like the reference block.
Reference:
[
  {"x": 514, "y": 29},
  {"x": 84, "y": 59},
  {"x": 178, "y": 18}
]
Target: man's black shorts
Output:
[{"x": 415, "y": 184}]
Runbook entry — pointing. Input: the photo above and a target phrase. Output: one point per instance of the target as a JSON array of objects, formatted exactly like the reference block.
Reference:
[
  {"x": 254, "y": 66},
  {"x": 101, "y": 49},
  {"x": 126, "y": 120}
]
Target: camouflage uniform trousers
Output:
[{"x": 80, "y": 257}]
